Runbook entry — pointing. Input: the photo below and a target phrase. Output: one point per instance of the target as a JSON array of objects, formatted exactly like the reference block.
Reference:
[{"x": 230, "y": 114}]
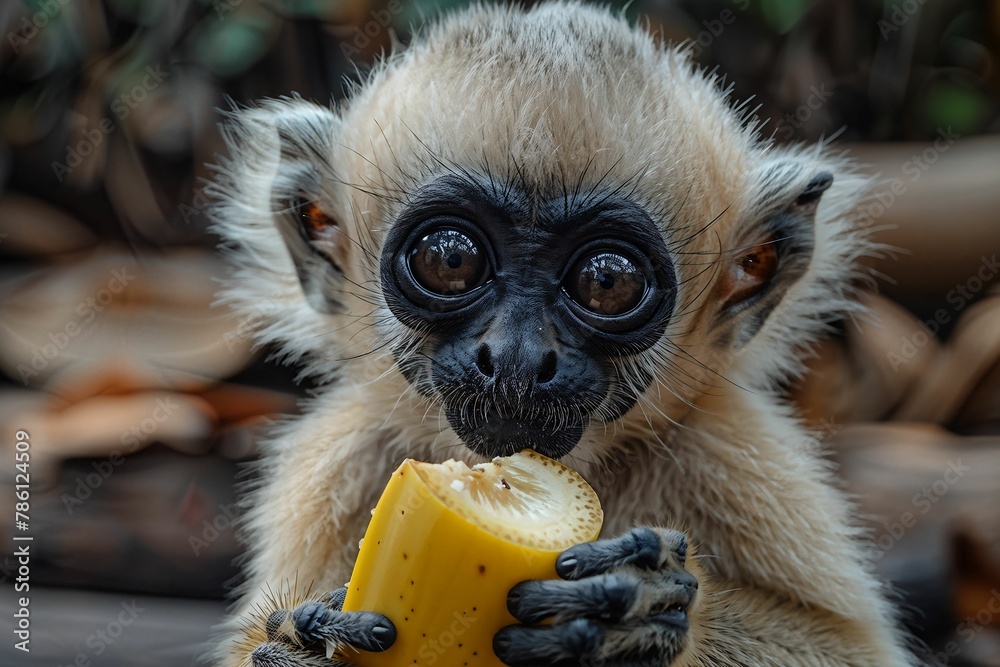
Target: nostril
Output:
[
  {"x": 547, "y": 371},
  {"x": 484, "y": 360},
  {"x": 687, "y": 580}
]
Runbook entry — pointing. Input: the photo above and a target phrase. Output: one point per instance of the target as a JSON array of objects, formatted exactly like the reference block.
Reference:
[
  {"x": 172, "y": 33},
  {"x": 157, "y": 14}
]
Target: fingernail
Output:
[
  {"x": 565, "y": 565},
  {"x": 384, "y": 634},
  {"x": 500, "y": 645}
]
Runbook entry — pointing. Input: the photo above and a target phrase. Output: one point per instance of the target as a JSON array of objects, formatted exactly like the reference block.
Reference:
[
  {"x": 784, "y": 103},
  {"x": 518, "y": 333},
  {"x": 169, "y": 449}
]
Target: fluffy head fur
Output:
[{"x": 561, "y": 99}]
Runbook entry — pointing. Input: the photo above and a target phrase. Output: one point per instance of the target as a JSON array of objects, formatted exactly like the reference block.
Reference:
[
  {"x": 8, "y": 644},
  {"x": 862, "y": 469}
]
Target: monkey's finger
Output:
[
  {"x": 641, "y": 548},
  {"x": 654, "y": 642},
  {"x": 280, "y": 627},
  {"x": 335, "y": 599},
  {"x": 365, "y": 630},
  {"x": 608, "y": 597},
  {"x": 275, "y": 654},
  {"x": 565, "y": 645}
]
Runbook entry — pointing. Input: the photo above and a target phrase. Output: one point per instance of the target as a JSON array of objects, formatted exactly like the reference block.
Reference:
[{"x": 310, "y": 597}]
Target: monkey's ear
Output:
[
  {"x": 315, "y": 238},
  {"x": 758, "y": 273},
  {"x": 281, "y": 177}
]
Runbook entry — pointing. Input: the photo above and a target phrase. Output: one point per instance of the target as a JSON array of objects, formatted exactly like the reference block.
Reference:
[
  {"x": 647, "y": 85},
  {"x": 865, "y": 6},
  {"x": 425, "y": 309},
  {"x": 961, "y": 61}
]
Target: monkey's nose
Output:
[
  {"x": 686, "y": 580},
  {"x": 523, "y": 361}
]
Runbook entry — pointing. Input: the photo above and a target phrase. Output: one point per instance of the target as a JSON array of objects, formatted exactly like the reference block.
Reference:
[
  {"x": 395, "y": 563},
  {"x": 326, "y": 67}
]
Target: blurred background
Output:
[{"x": 142, "y": 400}]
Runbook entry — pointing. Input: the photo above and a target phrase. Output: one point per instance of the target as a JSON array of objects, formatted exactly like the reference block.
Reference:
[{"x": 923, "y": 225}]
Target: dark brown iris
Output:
[
  {"x": 448, "y": 263},
  {"x": 750, "y": 273},
  {"x": 606, "y": 283}
]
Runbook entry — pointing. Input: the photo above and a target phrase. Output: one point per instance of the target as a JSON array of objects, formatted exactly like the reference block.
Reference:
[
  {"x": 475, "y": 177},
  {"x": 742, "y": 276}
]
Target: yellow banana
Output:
[{"x": 447, "y": 542}]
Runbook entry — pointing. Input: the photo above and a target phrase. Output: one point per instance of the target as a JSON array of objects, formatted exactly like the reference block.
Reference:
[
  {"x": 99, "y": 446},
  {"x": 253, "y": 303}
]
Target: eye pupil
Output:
[
  {"x": 447, "y": 262},
  {"x": 606, "y": 282}
]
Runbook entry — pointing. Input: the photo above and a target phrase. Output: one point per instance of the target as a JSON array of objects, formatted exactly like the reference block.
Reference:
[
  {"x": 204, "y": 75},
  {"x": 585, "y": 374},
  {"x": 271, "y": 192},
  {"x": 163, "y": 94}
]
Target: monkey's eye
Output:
[
  {"x": 750, "y": 272},
  {"x": 606, "y": 283},
  {"x": 446, "y": 262},
  {"x": 315, "y": 223}
]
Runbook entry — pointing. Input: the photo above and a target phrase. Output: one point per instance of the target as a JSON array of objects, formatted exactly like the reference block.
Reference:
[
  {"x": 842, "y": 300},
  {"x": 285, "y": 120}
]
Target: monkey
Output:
[{"x": 542, "y": 228}]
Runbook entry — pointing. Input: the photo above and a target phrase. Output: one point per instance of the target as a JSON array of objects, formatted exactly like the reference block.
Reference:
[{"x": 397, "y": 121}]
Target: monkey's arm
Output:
[
  {"x": 302, "y": 530},
  {"x": 747, "y": 627},
  {"x": 782, "y": 549},
  {"x": 780, "y": 545}
]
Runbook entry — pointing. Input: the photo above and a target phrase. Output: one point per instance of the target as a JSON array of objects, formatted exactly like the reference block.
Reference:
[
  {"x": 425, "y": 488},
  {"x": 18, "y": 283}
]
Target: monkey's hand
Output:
[
  {"x": 298, "y": 638},
  {"x": 623, "y": 602}
]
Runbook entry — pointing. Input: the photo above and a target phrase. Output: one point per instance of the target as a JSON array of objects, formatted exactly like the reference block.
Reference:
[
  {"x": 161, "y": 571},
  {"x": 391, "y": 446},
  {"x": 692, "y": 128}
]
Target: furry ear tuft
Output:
[
  {"x": 315, "y": 239},
  {"x": 273, "y": 207},
  {"x": 808, "y": 199},
  {"x": 761, "y": 273},
  {"x": 814, "y": 196}
]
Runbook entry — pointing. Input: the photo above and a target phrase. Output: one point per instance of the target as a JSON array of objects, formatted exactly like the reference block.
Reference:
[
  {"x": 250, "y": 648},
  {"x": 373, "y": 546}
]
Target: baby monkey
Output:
[{"x": 539, "y": 228}]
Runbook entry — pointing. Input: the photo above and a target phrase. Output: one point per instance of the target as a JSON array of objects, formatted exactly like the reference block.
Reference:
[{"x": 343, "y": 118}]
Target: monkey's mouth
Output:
[{"x": 494, "y": 432}]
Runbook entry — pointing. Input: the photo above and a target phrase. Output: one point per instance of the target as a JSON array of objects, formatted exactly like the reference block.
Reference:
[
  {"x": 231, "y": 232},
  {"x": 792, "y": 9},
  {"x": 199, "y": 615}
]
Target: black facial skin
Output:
[{"x": 492, "y": 275}]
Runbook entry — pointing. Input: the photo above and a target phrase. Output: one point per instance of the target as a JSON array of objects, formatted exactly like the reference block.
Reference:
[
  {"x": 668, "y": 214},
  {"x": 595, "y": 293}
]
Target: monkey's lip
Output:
[
  {"x": 675, "y": 616},
  {"x": 492, "y": 434}
]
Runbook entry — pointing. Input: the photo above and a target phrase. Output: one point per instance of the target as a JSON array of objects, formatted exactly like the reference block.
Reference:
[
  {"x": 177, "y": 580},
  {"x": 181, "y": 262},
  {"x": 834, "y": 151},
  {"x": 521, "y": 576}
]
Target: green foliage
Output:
[
  {"x": 783, "y": 15},
  {"x": 229, "y": 45},
  {"x": 955, "y": 105}
]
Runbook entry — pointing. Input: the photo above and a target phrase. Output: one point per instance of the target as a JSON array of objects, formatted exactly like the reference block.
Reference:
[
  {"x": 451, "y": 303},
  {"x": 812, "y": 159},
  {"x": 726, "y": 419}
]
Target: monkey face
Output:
[
  {"x": 535, "y": 309},
  {"x": 525, "y": 302}
]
